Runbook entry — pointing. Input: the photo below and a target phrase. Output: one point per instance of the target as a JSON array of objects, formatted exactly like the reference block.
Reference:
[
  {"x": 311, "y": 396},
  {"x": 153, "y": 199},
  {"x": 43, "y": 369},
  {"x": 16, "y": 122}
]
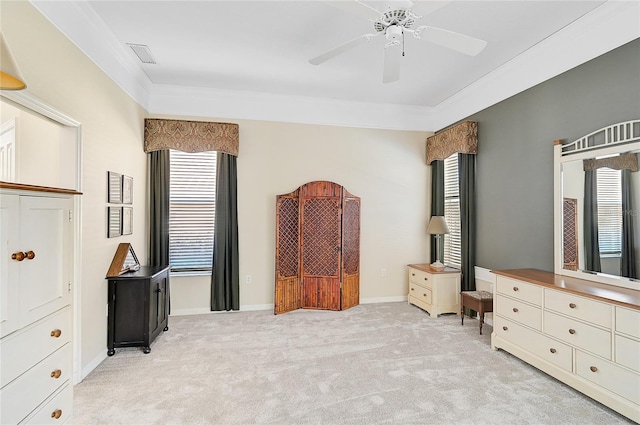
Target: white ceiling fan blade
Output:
[
  {"x": 357, "y": 8},
  {"x": 342, "y": 48},
  {"x": 424, "y": 8},
  {"x": 391, "y": 70},
  {"x": 453, "y": 40}
]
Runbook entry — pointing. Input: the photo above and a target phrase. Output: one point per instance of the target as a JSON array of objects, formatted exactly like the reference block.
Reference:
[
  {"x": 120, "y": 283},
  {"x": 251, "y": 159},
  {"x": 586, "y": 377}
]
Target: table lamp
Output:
[{"x": 437, "y": 226}]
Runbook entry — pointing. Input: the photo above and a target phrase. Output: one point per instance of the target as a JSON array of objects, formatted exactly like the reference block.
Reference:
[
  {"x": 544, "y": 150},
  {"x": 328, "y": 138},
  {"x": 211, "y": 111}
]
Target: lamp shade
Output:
[
  {"x": 10, "y": 78},
  {"x": 437, "y": 225}
]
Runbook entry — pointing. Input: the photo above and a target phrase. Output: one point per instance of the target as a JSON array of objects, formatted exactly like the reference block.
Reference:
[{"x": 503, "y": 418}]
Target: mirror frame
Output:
[{"x": 616, "y": 138}]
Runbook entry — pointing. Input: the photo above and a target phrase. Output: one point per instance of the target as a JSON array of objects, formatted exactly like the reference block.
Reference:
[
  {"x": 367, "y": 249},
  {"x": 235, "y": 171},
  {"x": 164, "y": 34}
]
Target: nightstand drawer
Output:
[
  {"x": 578, "y": 307},
  {"x": 420, "y": 293},
  {"x": 520, "y": 290},
  {"x": 420, "y": 278},
  {"x": 578, "y": 334},
  {"x": 520, "y": 312}
]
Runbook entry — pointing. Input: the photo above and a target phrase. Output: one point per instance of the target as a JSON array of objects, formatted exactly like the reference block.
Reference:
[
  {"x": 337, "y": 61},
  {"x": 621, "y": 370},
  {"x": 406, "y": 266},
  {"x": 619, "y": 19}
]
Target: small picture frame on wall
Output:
[
  {"x": 114, "y": 188},
  {"x": 114, "y": 222},
  {"x": 127, "y": 190},
  {"x": 127, "y": 220}
]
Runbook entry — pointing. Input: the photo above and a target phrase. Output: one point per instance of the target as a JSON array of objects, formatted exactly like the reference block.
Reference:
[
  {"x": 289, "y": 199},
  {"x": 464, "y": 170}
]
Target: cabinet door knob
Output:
[
  {"x": 515, "y": 310},
  {"x": 56, "y": 374},
  {"x": 504, "y": 328},
  {"x": 593, "y": 369},
  {"x": 18, "y": 256},
  {"x": 553, "y": 350},
  {"x": 572, "y": 331},
  {"x": 56, "y": 333},
  {"x": 56, "y": 414},
  {"x": 515, "y": 288},
  {"x": 572, "y": 305}
]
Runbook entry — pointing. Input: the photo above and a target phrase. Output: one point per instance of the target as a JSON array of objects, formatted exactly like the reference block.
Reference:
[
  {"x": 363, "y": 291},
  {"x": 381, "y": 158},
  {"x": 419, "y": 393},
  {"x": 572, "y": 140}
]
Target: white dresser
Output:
[
  {"x": 584, "y": 333},
  {"x": 434, "y": 291},
  {"x": 36, "y": 272}
]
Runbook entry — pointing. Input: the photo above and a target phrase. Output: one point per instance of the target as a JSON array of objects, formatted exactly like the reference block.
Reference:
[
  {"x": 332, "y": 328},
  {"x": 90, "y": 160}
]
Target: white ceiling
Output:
[{"x": 252, "y": 56}]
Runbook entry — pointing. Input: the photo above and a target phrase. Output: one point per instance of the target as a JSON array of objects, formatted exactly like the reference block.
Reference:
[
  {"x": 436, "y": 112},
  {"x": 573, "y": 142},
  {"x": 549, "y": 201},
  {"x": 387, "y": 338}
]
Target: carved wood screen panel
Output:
[
  {"x": 570, "y": 233},
  {"x": 287, "y": 287},
  {"x": 321, "y": 237}
]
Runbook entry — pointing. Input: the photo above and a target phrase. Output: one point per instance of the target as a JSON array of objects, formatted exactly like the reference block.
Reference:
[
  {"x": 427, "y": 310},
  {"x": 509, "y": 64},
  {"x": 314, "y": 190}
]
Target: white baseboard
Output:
[
  {"x": 92, "y": 365},
  {"x": 383, "y": 300}
]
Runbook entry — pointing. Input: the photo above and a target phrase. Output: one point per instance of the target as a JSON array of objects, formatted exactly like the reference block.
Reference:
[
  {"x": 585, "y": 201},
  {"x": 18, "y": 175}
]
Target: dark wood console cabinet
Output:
[{"x": 138, "y": 308}]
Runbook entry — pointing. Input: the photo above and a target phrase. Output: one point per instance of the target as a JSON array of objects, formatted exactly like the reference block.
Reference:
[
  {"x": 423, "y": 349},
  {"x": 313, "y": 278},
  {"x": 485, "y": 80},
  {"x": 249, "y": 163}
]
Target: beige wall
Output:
[{"x": 385, "y": 168}]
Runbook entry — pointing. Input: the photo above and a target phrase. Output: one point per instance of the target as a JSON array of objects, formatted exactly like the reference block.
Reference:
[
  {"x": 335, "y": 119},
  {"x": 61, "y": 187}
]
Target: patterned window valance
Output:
[
  {"x": 461, "y": 138},
  {"x": 191, "y": 136},
  {"x": 627, "y": 161}
]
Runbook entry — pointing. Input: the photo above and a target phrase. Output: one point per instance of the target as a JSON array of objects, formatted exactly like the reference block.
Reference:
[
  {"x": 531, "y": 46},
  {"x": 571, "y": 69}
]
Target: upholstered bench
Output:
[{"x": 480, "y": 301}]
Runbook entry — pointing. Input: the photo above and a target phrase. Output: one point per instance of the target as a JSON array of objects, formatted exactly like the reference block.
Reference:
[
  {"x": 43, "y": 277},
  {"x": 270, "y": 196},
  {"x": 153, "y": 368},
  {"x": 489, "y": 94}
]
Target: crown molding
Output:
[{"x": 605, "y": 28}]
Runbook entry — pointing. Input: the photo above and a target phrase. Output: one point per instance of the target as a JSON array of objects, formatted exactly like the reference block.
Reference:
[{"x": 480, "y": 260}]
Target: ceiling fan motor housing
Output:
[{"x": 399, "y": 17}]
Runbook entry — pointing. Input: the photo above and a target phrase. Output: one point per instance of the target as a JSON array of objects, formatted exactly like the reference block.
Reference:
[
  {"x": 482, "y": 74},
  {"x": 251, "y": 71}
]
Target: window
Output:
[
  {"x": 192, "y": 198},
  {"x": 452, "y": 241},
  {"x": 609, "y": 211}
]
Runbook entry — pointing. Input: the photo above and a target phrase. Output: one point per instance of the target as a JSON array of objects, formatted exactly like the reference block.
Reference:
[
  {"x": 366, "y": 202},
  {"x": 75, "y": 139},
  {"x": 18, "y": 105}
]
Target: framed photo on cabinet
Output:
[
  {"x": 114, "y": 188},
  {"x": 127, "y": 190},
  {"x": 114, "y": 222},
  {"x": 127, "y": 220}
]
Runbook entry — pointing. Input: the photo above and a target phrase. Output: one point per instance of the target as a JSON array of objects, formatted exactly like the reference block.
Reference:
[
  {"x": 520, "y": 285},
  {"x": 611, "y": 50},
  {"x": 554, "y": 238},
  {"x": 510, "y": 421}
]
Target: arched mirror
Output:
[{"x": 597, "y": 206}]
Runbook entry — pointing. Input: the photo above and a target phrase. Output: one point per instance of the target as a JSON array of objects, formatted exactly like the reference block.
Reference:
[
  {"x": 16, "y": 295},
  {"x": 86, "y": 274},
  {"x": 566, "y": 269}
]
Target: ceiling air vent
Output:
[{"x": 142, "y": 52}]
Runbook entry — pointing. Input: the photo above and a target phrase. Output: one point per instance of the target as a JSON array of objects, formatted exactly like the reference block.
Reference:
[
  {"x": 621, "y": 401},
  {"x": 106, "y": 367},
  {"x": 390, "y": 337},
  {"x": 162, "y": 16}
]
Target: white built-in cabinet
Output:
[{"x": 36, "y": 272}]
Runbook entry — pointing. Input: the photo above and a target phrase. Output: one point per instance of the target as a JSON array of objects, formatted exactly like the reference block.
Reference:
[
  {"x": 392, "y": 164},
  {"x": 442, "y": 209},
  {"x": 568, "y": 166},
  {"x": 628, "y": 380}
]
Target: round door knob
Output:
[
  {"x": 56, "y": 374},
  {"x": 572, "y": 331},
  {"x": 18, "y": 256},
  {"x": 553, "y": 350},
  {"x": 56, "y": 333},
  {"x": 515, "y": 288},
  {"x": 504, "y": 328},
  {"x": 593, "y": 369},
  {"x": 56, "y": 414},
  {"x": 30, "y": 255},
  {"x": 572, "y": 305},
  {"x": 515, "y": 310}
]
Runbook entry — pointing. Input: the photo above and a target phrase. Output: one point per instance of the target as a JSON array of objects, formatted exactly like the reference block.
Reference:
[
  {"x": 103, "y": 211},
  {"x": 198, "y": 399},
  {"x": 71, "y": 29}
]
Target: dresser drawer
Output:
[
  {"x": 520, "y": 312},
  {"x": 627, "y": 352},
  {"x": 419, "y": 292},
  {"x": 421, "y": 278},
  {"x": 38, "y": 383},
  {"x": 621, "y": 381},
  {"x": 578, "y": 334},
  {"x": 23, "y": 349},
  {"x": 628, "y": 321},
  {"x": 55, "y": 411},
  {"x": 523, "y": 291},
  {"x": 579, "y": 307},
  {"x": 538, "y": 344}
]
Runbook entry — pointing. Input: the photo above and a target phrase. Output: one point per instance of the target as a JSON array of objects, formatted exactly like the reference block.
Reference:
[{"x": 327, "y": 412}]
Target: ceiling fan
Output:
[{"x": 397, "y": 21}]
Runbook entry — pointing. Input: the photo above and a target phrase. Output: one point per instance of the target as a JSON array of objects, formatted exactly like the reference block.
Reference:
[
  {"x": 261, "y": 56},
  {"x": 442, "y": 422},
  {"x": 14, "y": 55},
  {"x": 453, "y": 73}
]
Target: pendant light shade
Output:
[{"x": 10, "y": 78}]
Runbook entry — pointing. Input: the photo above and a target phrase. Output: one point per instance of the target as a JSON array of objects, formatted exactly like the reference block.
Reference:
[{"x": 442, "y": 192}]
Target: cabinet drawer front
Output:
[
  {"x": 628, "y": 321},
  {"x": 421, "y": 278},
  {"x": 521, "y": 290},
  {"x": 421, "y": 293},
  {"x": 23, "y": 349},
  {"x": 519, "y": 312},
  {"x": 55, "y": 411},
  {"x": 627, "y": 352},
  {"x": 621, "y": 381},
  {"x": 578, "y": 307},
  {"x": 578, "y": 334},
  {"x": 38, "y": 383},
  {"x": 542, "y": 346}
]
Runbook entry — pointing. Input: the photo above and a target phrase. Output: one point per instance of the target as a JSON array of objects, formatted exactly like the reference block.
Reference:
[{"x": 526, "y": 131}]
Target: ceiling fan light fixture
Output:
[{"x": 10, "y": 77}]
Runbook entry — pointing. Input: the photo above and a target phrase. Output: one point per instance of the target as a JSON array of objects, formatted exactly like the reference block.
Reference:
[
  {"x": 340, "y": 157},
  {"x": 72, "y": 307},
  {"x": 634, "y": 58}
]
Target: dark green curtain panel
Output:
[
  {"x": 225, "y": 279},
  {"x": 159, "y": 180},
  {"x": 628, "y": 260},
  {"x": 467, "y": 181},
  {"x": 591, "y": 240},
  {"x": 437, "y": 203}
]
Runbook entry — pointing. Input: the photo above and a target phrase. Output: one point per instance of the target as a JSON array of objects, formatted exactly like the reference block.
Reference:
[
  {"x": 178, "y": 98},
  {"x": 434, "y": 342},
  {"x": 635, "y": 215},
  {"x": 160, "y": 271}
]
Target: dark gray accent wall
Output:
[{"x": 515, "y": 153}]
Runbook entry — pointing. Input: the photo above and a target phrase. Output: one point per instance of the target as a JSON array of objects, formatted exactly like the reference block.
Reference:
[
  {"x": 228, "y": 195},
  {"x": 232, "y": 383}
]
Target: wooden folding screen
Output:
[{"x": 317, "y": 248}]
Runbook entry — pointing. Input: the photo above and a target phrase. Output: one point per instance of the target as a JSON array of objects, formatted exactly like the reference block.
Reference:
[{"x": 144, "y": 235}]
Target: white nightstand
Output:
[{"x": 434, "y": 291}]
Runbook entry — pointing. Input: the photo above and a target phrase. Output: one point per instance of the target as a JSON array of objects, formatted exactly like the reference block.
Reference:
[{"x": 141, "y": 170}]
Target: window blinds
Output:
[
  {"x": 609, "y": 211},
  {"x": 452, "y": 241}
]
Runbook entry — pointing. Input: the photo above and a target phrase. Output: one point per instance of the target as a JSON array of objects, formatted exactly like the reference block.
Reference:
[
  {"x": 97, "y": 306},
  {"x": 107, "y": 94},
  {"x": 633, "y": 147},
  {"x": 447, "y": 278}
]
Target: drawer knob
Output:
[
  {"x": 56, "y": 414},
  {"x": 515, "y": 310},
  {"x": 18, "y": 256},
  {"x": 515, "y": 288},
  {"x": 413, "y": 274},
  {"x": 426, "y": 278},
  {"x": 572, "y": 305},
  {"x": 30, "y": 255},
  {"x": 56, "y": 333},
  {"x": 553, "y": 350},
  {"x": 593, "y": 369},
  {"x": 56, "y": 374},
  {"x": 572, "y": 331},
  {"x": 413, "y": 289},
  {"x": 504, "y": 328},
  {"x": 424, "y": 295}
]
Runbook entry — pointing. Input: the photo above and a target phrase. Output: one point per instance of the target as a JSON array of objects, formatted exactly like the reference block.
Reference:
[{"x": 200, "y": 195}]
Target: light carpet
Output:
[{"x": 387, "y": 363}]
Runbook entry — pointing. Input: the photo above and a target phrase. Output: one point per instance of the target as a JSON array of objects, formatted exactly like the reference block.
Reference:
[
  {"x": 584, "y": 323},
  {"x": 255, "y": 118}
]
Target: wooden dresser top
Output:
[
  {"x": 621, "y": 296},
  {"x": 427, "y": 268}
]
